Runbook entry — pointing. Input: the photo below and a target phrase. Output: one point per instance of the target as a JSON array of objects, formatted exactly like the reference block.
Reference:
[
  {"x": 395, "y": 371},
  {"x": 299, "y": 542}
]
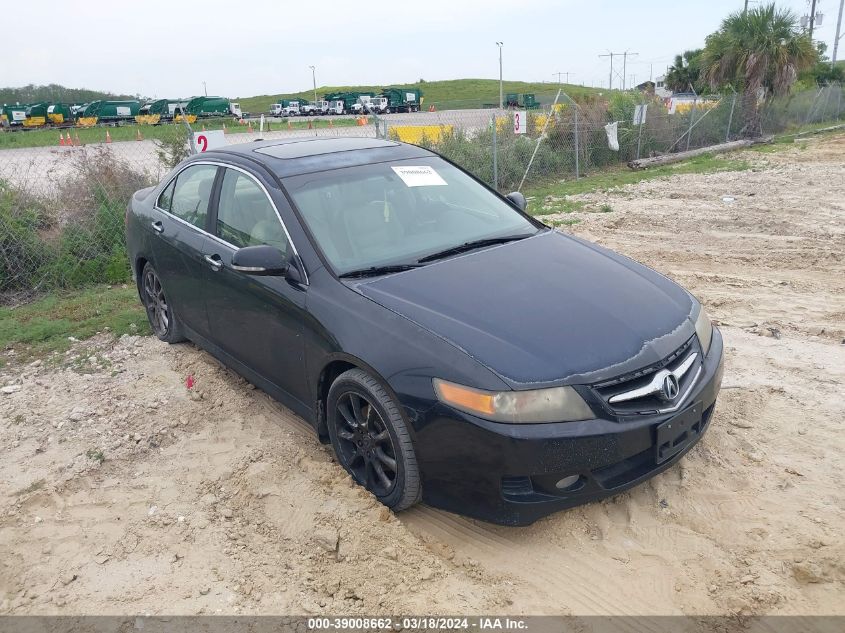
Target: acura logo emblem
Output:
[{"x": 669, "y": 388}]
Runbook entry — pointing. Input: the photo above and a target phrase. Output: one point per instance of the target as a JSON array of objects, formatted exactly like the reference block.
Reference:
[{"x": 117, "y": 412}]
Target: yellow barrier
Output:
[
  {"x": 414, "y": 133},
  {"x": 192, "y": 118},
  {"x": 87, "y": 121},
  {"x": 56, "y": 119},
  {"x": 148, "y": 119},
  {"x": 34, "y": 121}
]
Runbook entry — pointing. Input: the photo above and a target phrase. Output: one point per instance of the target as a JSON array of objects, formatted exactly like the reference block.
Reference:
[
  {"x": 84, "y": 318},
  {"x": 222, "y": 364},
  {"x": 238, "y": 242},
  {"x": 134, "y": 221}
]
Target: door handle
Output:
[
  {"x": 158, "y": 227},
  {"x": 214, "y": 261}
]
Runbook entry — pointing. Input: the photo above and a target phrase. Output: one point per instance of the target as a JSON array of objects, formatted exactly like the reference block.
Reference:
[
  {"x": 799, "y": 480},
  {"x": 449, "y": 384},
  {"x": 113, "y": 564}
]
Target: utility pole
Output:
[
  {"x": 812, "y": 18},
  {"x": 838, "y": 31},
  {"x": 314, "y": 80},
  {"x": 745, "y": 10},
  {"x": 204, "y": 89},
  {"x": 501, "y": 96},
  {"x": 625, "y": 66},
  {"x": 610, "y": 81}
]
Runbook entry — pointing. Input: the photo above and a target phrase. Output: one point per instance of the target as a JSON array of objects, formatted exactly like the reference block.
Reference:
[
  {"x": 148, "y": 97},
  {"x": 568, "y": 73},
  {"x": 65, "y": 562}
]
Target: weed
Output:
[
  {"x": 43, "y": 326},
  {"x": 95, "y": 455}
]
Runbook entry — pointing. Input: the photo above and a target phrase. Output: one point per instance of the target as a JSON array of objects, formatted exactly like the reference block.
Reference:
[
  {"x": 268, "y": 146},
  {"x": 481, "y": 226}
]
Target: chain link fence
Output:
[{"x": 64, "y": 191}]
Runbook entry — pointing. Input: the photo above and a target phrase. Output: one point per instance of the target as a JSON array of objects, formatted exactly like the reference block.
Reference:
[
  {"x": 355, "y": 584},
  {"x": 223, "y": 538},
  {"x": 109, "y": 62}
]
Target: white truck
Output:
[
  {"x": 291, "y": 108},
  {"x": 312, "y": 109},
  {"x": 336, "y": 107},
  {"x": 378, "y": 105}
]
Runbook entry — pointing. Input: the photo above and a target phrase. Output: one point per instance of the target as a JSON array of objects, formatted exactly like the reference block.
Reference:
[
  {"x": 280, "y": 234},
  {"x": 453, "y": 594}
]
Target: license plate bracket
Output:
[{"x": 676, "y": 434}]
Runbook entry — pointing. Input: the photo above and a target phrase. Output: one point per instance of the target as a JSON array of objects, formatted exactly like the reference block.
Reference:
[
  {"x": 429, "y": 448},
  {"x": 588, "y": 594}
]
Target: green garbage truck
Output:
[{"x": 403, "y": 99}]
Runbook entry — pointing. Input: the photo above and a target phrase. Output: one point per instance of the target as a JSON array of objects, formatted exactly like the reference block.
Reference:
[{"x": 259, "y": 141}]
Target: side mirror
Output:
[
  {"x": 260, "y": 260},
  {"x": 518, "y": 199}
]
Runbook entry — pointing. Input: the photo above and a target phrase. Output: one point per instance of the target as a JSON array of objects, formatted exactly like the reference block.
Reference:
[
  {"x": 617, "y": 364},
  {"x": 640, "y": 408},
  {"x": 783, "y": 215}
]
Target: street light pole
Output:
[
  {"x": 204, "y": 89},
  {"x": 314, "y": 80},
  {"x": 501, "y": 95}
]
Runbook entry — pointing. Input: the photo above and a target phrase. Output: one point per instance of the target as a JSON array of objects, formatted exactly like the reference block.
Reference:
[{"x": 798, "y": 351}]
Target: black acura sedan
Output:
[{"x": 450, "y": 347}]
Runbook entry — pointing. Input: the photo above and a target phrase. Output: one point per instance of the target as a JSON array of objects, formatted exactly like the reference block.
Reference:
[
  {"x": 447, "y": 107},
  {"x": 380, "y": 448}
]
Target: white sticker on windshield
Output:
[{"x": 419, "y": 176}]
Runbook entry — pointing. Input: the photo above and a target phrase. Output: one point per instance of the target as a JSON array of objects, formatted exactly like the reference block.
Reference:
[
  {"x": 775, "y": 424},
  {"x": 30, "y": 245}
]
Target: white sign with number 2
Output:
[
  {"x": 205, "y": 141},
  {"x": 520, "y": 122}
]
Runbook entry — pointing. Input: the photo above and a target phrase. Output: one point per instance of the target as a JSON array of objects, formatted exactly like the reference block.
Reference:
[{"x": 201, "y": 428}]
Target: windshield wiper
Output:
[
  {"x": 468, "y": 246},
  {"x": 374, "y": 271}
]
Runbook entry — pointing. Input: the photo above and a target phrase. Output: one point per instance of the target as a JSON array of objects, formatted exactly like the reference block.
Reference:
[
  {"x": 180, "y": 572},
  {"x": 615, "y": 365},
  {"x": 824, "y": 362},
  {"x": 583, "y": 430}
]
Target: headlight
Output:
[
  {"x": 704, "y": 330},
  {"x": 557, "y": 404}
]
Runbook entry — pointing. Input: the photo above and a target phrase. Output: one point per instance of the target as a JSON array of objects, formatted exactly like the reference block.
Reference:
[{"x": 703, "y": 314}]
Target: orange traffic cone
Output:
[
  {"x": 203, "y": 127},
  {"x": 310, "y": 127},
  {"x": 331, "y": 124},
  {"x": 224, "y": 128},
  {"x": 76, "y": 141},
  {"x": 61, "y": 140},
  {"x": 249, "y": 127},
  {"x": 138, "y": 136},
  {"x": 108, "y": 137},
  {"x": 289, "y": 125},
  {"x": 431, "y": 108}
]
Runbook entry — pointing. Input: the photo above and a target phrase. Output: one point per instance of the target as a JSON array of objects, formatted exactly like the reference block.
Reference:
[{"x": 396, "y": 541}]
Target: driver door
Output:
[{"x": 257, "y": 320}]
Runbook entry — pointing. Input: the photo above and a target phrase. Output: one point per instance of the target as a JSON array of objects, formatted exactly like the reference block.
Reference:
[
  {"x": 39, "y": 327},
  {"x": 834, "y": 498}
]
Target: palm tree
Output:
[
  {"x": 684, "y": 75},
  {"x": 759, "y": 52}
]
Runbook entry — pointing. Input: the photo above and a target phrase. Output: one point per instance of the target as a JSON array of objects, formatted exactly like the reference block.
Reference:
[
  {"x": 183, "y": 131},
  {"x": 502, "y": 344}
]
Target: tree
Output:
[
  {"x": 759, "y": 52},
  {"x": 685, "y": 74},
  {"x": 822, "y": 73}
]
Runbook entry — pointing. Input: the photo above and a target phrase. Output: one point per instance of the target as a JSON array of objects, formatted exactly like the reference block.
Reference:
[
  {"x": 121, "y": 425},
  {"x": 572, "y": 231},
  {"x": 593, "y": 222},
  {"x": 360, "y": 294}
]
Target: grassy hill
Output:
[
  {"x": 55, "y": 92},
  {"x": 454, "y": 93}
]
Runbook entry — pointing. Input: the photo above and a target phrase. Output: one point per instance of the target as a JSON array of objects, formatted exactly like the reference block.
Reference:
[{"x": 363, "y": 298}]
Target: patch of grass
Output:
[
  {"x": 555, "y": 223},
  {"x": 619, "y": 176},
  {"x": 163, "y": 132},
  {"x": 555, "y": 205},
  {"x": 605, "y": 208},
  {"x": 795, "y": 139},
  {"x": 95, "y": 455},
  {"x": 43, "y": 326}
]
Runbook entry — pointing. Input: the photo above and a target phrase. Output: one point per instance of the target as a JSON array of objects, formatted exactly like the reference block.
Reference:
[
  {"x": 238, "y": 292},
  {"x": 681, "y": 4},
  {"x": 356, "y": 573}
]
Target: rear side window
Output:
[
  {"x": 192, "y": 194},
  {"x": 245, "y": 215}
]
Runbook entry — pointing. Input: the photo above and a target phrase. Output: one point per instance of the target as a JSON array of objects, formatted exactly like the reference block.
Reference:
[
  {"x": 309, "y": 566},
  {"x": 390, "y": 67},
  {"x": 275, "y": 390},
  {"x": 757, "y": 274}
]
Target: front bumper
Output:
[{"x": 506, "y": 473}]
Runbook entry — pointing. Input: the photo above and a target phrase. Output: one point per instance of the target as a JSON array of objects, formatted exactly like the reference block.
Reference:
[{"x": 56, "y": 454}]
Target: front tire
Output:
[
  {"x": 371, "y": 439},
  {"x": 163, "y": 320}
]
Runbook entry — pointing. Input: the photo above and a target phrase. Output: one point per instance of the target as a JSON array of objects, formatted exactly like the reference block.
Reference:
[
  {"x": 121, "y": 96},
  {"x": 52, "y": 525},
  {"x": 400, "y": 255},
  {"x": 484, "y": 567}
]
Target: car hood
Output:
[{"x": 551, "y": 309}]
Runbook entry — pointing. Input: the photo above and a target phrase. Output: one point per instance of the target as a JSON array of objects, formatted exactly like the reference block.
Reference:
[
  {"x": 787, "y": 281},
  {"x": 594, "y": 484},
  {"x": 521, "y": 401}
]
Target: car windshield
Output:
[{"x": 400, "y": 212}]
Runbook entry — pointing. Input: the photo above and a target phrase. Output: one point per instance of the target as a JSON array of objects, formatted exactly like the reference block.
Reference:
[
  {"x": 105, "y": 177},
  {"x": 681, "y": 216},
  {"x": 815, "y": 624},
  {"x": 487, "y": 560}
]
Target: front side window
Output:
[
  {"x": 399, "y": 212},
  {"x": 245, "y": 215},
  {"x": 192, "y": 194},
  {"x": 166, "y": 197}
]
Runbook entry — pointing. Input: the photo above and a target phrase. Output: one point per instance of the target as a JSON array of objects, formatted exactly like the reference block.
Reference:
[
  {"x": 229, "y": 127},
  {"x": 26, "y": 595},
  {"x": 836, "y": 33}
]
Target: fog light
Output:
[{"x": 567, "y": 482}]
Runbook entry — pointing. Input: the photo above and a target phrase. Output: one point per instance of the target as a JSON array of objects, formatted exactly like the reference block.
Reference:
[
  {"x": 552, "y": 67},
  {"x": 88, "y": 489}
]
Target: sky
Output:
[{"x": 168, "y": 49}]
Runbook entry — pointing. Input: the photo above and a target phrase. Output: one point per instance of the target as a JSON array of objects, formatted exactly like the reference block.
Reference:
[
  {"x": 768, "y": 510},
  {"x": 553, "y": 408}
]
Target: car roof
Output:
[{"x": 292, "y": 157}]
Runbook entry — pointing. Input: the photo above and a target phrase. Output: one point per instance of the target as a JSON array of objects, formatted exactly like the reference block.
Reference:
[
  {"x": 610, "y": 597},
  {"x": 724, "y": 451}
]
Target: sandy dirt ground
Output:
[{"x": 123, "y": 492}]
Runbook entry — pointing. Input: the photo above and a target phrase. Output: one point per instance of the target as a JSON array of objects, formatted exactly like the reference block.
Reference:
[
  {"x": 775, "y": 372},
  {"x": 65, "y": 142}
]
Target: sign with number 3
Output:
[{"x": 520, "y": 122}]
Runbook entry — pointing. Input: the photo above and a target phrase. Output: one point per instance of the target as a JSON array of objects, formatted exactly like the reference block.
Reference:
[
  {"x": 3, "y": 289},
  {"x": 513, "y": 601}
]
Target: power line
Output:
[
  {"x": 559, "y": 73},
  {"x": 624, "y": 56}
]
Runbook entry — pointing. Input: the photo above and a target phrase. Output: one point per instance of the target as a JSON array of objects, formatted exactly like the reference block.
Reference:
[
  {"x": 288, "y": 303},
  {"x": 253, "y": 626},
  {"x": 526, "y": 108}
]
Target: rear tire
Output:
[
  {"x": 163, "y": 320},
  {"x": 371, "y": 439}
]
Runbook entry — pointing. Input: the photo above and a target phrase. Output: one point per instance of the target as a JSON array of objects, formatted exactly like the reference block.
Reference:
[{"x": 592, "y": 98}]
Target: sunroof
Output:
[{"x": 315, "y": 147}]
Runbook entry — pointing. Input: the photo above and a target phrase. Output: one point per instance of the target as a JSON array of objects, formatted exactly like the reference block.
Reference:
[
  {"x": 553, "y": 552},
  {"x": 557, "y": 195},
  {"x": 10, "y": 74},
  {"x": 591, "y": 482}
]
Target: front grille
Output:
[{"x": 688, "y": 357}]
